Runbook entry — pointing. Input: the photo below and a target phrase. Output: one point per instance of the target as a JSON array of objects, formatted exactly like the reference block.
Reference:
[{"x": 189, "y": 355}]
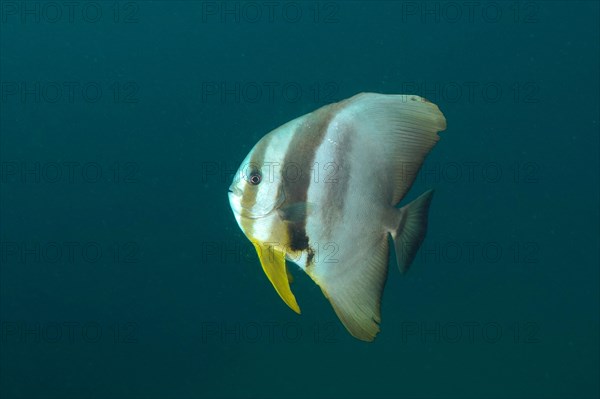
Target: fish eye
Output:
[{"x": 255, "y": 178}]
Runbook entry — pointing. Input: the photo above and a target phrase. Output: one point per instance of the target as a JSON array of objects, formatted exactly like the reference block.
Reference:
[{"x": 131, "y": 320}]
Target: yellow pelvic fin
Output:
[{"x": 273, "y": 263}]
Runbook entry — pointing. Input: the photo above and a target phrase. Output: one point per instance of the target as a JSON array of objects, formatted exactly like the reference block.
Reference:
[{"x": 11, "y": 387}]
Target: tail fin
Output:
[{"x": 411, "y": 231}]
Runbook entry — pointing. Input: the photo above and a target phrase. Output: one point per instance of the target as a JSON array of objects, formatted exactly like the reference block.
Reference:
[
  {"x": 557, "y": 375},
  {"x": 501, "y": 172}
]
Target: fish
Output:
[{"x": 323, "y": 192}]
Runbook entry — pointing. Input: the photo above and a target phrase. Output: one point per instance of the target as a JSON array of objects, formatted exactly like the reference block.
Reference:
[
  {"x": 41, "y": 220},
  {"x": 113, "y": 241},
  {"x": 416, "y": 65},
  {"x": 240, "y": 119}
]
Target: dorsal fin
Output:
[{"x": 404, "y": 127}]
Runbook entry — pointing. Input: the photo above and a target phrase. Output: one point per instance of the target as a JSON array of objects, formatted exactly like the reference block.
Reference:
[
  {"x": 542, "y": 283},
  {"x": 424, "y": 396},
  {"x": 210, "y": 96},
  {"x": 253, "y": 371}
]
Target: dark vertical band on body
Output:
[{"x": 301, "y": 153}]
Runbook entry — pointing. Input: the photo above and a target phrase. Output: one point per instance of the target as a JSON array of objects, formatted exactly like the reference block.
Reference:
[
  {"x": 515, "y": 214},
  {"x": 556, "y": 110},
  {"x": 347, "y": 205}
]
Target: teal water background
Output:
[{"x": 123, "y": 272}]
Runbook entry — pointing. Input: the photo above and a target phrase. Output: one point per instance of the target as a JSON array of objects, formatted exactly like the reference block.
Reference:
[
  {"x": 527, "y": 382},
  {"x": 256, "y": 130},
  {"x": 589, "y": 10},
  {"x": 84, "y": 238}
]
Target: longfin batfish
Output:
[{"x": 322, "y": 191}]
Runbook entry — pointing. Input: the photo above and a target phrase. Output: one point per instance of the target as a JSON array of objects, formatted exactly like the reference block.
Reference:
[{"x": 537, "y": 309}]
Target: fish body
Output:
[{"x": 322, "y": 192}]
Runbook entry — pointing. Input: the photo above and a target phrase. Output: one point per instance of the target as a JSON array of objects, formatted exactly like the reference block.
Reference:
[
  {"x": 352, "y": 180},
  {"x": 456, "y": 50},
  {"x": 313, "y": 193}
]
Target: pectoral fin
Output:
[{"x": 273, "y": 263}]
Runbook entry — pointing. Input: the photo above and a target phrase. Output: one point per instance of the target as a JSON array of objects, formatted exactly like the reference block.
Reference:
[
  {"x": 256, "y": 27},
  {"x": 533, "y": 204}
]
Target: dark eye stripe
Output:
[{"x": 258, "y": 158}]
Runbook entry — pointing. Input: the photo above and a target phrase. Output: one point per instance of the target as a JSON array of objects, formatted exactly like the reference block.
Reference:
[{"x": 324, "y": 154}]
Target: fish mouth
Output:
[
  {"x": 234, "y": 190},
  {"x": 234, "y": 201}
]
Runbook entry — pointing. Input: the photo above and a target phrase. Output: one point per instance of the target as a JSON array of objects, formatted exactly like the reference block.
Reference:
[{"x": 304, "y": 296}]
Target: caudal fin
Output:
[{"x": 411, "y": 231}]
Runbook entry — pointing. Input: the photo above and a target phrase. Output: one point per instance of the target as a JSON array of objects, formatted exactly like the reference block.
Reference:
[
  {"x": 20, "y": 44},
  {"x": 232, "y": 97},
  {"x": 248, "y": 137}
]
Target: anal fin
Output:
[{"x": 355, "y": 288}]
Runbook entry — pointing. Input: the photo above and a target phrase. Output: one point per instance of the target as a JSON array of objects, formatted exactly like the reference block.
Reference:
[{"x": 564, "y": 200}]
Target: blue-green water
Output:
[{"x": 124, "y": 274}]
